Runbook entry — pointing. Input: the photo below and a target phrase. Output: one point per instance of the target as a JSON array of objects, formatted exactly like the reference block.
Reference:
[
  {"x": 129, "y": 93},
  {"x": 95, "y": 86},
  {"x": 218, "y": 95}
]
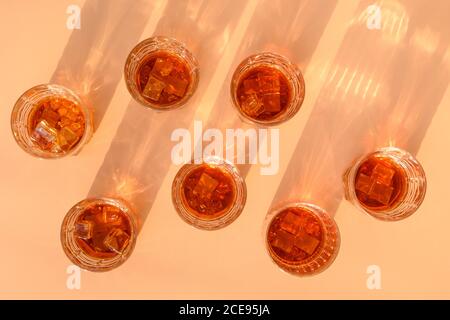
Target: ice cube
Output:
[
  {"x": 50, "y": 116},
  {"x": 380, "y": 192},
  {"x": 84, "y": 229},
  {"x": 269, "y": 84},
  {"x": 97, "y": 253},
  {"x": 252, "y": 106},
  {"x": 306, "y": 242},
  {"x": 223, "y": 188},
  {"x": 44, "y": 135},
  {"x": 251, "y": 86},
  {"x": 363, "y": 183},
  {"x": 312, "y": 228},
  {"x": 205, "y": 186},
  {"x": 290, "y": 223},
  {"x": 383, "y": 174},
  {"x": 271, "y": 102},
  {"x": 176, "y": 86},
  {"x": 162, "y": 67},
  {"x": 67, "y": 138},
  {"x": 284, "y": 241},
  {"x": 153, "y": 88},
  {"x": 116, "y": 240},
  {"x": 64, "y": 122},
  {"x": 62, "y": 111},
  {"x": 111, "y": 215},
  {"x": 71, "y": 115},
  {"x": 46, "y": 104}
]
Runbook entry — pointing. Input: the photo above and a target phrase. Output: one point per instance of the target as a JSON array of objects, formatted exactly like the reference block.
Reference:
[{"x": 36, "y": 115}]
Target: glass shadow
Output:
[
  {"x": 382, "y": 89},
  {"x": 292, "y": 29},
  {"x": 140, "y": 154},
  {"x": 92, "y": 61}
]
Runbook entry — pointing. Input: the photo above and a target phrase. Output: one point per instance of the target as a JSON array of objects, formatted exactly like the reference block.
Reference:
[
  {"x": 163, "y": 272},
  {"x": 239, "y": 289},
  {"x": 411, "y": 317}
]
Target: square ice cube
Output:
[
  {"x": 153, "y": 88},
  {"x": 44, "y": 135},
  {"x": 383, "y": 174},
  {"x": 271, "y": 102},
  {"x": 284, "y": 241},
  {"x": 290, "y": 223},
  {"x": 162, "y": 67},
  {"x": 84, "y": 229},
  {"x": 363, "y": 183},
  {"x": 313, "y": 228},
  {"x": 116, "y": 240},
  {"x": 381, "y": 192},
  {"x": 269, "y": 84},
  {"x": 306, "y": 242},
  {"x": 67, "y": 138},
  {"x": 71, "y": 115},
  {"x": 176, "y": 85},
  {"x": 205, "y": 186},
  {"x": 52, "y": 117},
  {"x": 111, "y": 215},
  {"x": 252, "y": 105},
  {"x": 251, "y": 86}
]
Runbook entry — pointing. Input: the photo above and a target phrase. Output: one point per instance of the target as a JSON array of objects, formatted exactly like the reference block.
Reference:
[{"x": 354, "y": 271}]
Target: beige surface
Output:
[{"x": 365, "y": 88}]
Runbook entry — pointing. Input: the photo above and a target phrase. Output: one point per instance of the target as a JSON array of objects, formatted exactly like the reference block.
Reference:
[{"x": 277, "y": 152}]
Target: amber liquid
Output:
[
  {"x": 102, "y": 231},
  {"x": 295, "y": 235},
  {"x": 209, "y": 192},
  {"x": 268, "y": 88},
  {"x": 163, "y": 79},
  {"x": 380, "y": 184},
  {"x": 61, "y": 124}
]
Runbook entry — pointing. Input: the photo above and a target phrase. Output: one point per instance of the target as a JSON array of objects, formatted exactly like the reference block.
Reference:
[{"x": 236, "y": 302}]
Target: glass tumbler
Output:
[
  {"x": 301, "y": 238},
  {"x": 210, "y": 195},
  {"x": 388, "y": 184},
  {"x": 267, "y": 89},
  {"x": 50, "y": 121},
  {"x": 161, "y": 73},
  {"x": 99, "y": 234}
]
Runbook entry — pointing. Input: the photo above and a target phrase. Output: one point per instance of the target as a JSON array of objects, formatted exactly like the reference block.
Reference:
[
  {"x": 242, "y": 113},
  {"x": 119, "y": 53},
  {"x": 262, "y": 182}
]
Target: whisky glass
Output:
[
  {"x": 267, "y": 89},
  {"x": 210, "y": 195},
  {"x": 301, "y": 238},
  {"x": 160, "y": 73},
  {"x": 99, "y": 234},
  {"x": 50, "y": 121},
  {"x": 388, "y": 184}
]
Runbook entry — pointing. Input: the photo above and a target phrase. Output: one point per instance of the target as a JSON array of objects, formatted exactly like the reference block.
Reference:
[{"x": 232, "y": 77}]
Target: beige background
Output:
[{"x": 365, "y": 89}]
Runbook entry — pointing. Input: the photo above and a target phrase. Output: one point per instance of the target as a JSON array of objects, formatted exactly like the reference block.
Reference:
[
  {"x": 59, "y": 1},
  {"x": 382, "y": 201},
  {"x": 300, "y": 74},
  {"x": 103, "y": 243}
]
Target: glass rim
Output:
[
  {"x": 320, "y": 213},
  {"x": 385, "y": 215},
  {"x": 230, "y": 215},
  {"x": 288, "y": 69},
  {"x": 186, "y": 55},
  {"x": 66, "y": 235},
  {"x": 64, "y": 92}
]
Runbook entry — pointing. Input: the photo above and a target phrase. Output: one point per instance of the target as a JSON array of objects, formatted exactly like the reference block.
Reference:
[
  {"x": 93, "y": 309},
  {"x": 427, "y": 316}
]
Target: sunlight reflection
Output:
[
  {"x": 394, "y": 20},
  {"x": 126, "y": 186},
  {"x": 425, "y": 40},
  {"x": 389, "y": 16}
]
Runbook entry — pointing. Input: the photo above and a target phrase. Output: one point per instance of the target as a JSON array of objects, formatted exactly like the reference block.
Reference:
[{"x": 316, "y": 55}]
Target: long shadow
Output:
[
  {"x": 140, "y": 154},
  {"x": 292, "y": 29},
  {"x": 383, "y": 88},
  {"x": 92, "y": 62}
]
